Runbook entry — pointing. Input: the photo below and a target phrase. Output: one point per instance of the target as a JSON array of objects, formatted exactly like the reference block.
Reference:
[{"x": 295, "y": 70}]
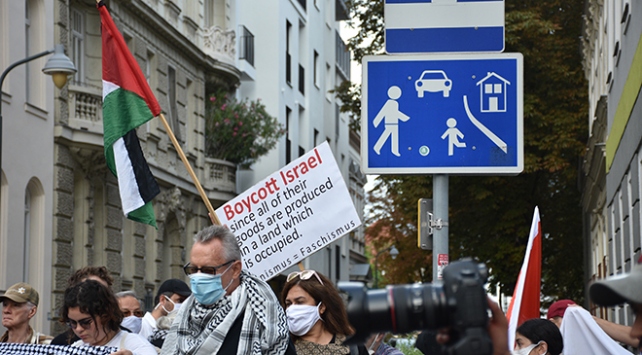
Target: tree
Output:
[{"x": 490, "y": 216}]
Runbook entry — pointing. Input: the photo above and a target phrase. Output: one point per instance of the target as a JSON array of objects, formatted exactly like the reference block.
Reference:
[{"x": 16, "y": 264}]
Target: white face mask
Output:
[
  {"x": 177, "y": 306},
  {"x": 132, "y": 323},
  {"x": 525, "y": 351},
  {"x": 301, "y": 318}
]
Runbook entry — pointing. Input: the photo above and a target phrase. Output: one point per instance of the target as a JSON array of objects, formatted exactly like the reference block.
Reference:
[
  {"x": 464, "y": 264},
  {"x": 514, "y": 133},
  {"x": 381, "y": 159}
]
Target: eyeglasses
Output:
[
  {"x": 191, "y": 269},
  {"x": 304, "y": 275},
  {"x": 84, "y": 323}
]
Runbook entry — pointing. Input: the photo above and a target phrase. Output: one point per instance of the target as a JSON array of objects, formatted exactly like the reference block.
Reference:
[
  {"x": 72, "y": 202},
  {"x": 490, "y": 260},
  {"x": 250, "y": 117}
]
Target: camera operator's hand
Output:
[{"x": 497, "y": 330}]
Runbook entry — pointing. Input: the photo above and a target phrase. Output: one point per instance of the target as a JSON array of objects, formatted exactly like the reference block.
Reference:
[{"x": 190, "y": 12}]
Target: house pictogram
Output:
[{"x": 492, "y": 93}]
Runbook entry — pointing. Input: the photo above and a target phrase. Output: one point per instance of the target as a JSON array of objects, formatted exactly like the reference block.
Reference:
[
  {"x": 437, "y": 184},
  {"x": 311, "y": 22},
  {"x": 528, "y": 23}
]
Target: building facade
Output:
[
  {"x": 26, "y": 191},
  {"x": 612, "y": 179},
  {"x": 69, "y": 213},
  {"x": 298, "y": 58}
]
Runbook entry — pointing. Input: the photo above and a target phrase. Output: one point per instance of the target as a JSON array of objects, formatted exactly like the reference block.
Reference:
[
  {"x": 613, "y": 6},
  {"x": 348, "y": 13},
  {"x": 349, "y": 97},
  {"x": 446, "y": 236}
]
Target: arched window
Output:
[{"x": 33, "y": 236}]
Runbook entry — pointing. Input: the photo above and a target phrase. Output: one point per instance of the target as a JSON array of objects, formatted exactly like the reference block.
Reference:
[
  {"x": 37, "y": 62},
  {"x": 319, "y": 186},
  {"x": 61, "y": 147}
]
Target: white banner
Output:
[{"x": 291, "y": 214}]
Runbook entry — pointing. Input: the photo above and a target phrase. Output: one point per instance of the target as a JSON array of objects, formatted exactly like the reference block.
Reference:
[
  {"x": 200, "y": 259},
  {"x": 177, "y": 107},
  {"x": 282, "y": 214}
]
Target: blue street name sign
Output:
[
  {"x": 442, "y": 114},
  {"x": 428, "y": 26}
]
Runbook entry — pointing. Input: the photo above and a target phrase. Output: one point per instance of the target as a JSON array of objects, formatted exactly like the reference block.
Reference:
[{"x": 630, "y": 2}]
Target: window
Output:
[
  {"x": 488, "y": 88},
  {"x": 78, "y": 44},
  {"x": 316, "y": 137},
  {"x": 288, "y": 141},
  {"x": 27, "y": 235},
  {"x": 316, "y": 69},
  {"x": 173, "y": 109},
  {"x": 33, "y": 236},
  {"x": 498, "y": 88},
  {"x": 288, "y": 57},
  {"x": 35, "y": 84}
]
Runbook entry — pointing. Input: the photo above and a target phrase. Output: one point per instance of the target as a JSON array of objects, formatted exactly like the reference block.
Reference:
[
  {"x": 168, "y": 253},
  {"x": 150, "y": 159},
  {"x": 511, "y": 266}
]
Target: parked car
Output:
[{"x": 433, "y": 81}]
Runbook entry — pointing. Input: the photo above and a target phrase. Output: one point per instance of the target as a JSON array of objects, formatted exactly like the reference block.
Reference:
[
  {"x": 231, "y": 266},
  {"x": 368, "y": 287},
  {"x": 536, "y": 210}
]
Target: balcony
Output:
[
  {"x": 246, "y": 54},
  {"x": 220, "y": 175},
  {"x": 246, "y": 49},
  {"x": 342, "y": 12},
  {"x": 220, "y": 44},
  {"x": 343, "y": 56}
]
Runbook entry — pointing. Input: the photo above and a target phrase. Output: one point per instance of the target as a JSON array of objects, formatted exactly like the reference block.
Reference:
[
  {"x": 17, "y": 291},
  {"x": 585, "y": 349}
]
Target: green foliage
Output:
[
  {"x": 490, "y": 216},
  {"x": 239, "y": 132}
]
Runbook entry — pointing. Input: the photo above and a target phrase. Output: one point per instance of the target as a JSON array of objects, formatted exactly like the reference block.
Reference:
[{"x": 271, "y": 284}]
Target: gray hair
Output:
[
  {"x": 227, "y": 239},
  {"x": 123, "y": 294}
]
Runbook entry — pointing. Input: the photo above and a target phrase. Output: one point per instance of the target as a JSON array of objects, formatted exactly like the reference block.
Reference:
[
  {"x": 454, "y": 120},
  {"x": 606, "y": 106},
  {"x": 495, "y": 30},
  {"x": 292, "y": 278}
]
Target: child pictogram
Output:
[{"x": 453, "y": 134}]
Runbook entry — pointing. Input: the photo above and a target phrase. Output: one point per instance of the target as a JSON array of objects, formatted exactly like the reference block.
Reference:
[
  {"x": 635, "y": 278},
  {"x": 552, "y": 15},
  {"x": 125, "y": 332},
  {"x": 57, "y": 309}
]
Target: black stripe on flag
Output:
[{"x": 147, "y": 185}]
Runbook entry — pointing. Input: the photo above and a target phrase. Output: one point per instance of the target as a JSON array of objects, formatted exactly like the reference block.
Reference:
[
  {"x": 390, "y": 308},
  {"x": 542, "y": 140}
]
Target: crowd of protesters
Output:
[{"x": 228, "y": 310}]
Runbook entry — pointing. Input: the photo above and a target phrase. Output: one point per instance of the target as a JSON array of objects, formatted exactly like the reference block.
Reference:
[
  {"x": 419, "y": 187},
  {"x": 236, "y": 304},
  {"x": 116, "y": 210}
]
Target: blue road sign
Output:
[
  {"x": 426, "y": 26},
  {"x": 442, "y": 114}
]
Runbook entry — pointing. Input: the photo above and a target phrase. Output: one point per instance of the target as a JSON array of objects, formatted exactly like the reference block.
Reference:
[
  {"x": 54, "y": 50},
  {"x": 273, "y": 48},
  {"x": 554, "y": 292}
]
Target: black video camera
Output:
[{"x": 458, "y": 303}]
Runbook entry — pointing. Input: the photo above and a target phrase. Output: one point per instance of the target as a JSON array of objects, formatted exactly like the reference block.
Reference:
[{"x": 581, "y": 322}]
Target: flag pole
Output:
[{"x": 170, "y": 133}]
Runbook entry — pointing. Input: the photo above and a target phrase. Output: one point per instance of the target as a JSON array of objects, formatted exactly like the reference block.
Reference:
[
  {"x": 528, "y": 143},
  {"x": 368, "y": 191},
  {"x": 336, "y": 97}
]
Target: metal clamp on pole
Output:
[{"x": 436, "y": 223}]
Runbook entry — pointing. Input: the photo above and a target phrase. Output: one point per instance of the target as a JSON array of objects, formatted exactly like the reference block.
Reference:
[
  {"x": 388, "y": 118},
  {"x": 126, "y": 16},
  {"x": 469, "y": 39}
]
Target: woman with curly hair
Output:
[
  {"x": 316, "y": 314},
  {"x": 91, "y": 311}
]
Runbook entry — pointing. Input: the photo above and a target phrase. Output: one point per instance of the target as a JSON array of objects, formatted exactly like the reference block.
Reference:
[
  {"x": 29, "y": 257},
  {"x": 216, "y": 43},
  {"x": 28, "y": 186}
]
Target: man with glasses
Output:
[
  {"x": 230, "y": 311},
  {"x": 19, "y": 305},
  {"x": 169, "y": 297}
]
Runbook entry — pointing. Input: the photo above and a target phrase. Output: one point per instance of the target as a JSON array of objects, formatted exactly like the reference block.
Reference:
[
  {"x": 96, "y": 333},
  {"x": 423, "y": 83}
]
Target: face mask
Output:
[
  {"x": 525, "y": 351},
  {"x": 301, "y": 318},
  {"x": 177, "y": 306},
  {"x": 207, "y": 288},
  {"x": 132, "y": 323}
]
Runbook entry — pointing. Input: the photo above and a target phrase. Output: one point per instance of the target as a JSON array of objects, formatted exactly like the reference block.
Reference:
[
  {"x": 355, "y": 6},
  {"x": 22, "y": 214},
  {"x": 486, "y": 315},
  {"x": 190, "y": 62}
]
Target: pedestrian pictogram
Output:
[{"x": 391, "y": 116}]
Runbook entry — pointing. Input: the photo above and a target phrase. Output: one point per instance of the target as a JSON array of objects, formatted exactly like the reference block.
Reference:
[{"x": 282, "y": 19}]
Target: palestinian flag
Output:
[{"x": 128, "y": 102}]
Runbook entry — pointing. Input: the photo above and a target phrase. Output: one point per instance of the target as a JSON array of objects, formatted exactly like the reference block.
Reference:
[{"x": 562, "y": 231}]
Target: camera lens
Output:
[{"x": 400, "y": 309}]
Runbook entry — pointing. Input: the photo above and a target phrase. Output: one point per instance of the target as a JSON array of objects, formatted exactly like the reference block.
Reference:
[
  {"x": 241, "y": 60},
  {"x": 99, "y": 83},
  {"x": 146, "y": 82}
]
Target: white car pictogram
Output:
[{"x": 433, "y": 81}]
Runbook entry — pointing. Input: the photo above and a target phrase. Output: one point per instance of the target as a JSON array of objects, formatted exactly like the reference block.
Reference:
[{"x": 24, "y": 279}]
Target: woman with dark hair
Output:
[
  {"x": 316, "y": 314},
  {"x": 91, "y": 311},
  {"x": 538, "y": 337}
]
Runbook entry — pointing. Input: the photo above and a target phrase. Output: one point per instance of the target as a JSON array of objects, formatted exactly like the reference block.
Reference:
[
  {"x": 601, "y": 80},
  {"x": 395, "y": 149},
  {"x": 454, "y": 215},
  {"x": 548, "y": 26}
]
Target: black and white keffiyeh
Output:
[
  {"x": 201, "y": 330},
  {"x": 37, "y": 349}
]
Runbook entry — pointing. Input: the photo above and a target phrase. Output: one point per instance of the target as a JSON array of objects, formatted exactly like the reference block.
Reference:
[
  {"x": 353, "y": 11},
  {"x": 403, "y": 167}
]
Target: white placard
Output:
[{"x": 291, "y": 214}]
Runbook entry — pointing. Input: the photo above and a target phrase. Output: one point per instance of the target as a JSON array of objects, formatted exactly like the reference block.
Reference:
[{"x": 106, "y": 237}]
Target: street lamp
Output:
[
  {"x": 393, "y": 254},
  {"x": 59, "y": 66}
]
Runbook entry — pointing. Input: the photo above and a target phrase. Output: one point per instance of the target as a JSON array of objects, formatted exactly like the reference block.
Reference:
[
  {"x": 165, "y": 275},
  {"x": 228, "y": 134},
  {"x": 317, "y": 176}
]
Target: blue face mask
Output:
[{"x": 207, "y": 288}]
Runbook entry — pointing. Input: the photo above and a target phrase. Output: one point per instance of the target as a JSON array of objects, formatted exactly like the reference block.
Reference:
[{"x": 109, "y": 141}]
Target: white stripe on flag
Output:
[
  {"x": 108, "y": 87},
  {"x": 129, "y": 194},
  {"x": 429, "y": 15}
]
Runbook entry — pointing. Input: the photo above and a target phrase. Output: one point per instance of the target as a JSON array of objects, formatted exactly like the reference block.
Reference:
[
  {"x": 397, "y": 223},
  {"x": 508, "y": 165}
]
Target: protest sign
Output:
[{"x": 291, "y": 214}]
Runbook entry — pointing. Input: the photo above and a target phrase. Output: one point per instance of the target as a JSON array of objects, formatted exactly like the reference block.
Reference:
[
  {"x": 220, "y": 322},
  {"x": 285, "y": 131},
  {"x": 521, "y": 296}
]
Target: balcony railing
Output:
[
  {"x": 247, "y": 46},
  {"x": 220, "y": 175},
  {"x": 85, "y": 107},
  {"x": 342, "y": 57},
  {"x": 220, "y": 44}
]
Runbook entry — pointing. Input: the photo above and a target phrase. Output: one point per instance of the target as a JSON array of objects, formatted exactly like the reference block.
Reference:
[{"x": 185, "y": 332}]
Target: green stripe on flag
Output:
[
  {"x": 123, "y": 111},
  {"x": 144, "y": 214}
]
